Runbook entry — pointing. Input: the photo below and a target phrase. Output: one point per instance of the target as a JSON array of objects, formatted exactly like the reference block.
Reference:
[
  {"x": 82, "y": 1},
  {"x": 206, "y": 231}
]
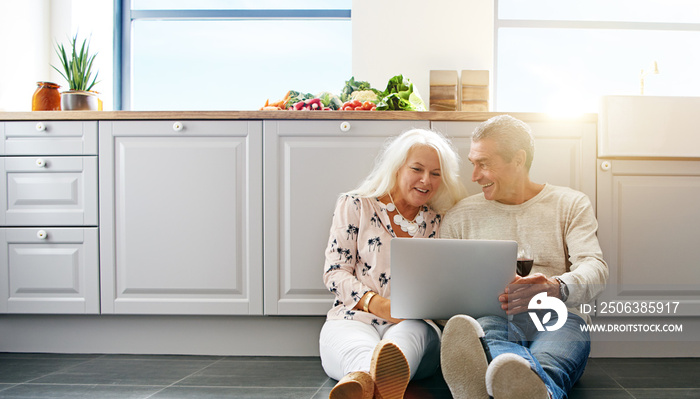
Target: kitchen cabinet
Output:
[
  {"x": 48, "y": 217},
  {"x": 308, "y": 164},
  {"x": 565, "y": 153},
  {"x": 181, "y": 217},
  {"x": 649, "y": 224}
]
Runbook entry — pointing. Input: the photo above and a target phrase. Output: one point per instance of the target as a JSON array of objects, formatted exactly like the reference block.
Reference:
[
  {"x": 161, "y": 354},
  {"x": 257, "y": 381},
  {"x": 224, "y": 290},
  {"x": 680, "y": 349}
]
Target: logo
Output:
[{"x": 542, "y": 301}]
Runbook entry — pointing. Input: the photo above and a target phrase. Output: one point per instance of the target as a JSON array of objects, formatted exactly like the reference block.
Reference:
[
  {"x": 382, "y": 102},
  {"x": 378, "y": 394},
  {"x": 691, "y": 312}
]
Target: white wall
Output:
[
  {"x": 411, "y": 37},
  {"x": 28, "y": 32}
]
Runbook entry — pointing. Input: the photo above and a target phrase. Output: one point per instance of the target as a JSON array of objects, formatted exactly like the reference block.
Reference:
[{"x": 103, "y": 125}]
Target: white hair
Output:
[{"x": 382, "y": 179}]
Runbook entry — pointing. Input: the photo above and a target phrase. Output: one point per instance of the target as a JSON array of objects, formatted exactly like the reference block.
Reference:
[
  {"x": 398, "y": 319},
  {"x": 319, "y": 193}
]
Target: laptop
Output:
[{"x": 439, "y": 278}]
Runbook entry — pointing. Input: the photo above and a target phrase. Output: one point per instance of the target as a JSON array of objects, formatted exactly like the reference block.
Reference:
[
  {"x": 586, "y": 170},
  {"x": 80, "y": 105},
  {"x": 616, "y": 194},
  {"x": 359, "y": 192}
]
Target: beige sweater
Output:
[{"x": 559, "y": 225}]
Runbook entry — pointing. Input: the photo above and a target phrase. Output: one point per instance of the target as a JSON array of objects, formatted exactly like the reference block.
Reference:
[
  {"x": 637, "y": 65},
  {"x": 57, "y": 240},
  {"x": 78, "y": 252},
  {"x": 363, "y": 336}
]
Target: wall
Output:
[
  {"x": 28, "y": 31},
  {"x": 411, "y": 37},
  {"x": 390, "y": 37}
]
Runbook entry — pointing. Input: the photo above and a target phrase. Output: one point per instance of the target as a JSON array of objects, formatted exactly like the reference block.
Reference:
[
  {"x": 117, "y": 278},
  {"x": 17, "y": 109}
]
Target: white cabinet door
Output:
[
  {"x": 49, "y": 270},
  {"x": 181, "y": 217},
  {"x": 649, "y": 225},
  {"x": 565, "y": 153},
  {"x": 307, "y": 165}
]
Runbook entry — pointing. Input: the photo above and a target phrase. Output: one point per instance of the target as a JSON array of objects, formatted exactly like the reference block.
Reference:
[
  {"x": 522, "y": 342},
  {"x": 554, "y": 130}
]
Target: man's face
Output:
[{"x": 500, "y": 180}]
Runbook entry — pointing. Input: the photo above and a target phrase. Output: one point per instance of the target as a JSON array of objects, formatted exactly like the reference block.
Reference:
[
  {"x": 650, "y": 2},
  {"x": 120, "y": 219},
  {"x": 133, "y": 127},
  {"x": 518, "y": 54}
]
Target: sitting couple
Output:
[{"x": 408, "y": 194}]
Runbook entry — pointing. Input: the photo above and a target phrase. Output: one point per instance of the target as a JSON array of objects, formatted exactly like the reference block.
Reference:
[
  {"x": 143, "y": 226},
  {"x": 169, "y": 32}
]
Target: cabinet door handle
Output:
[
  {"x": 41, "y": 163},
  {"x": 42, "y": 234},
  {"x": 40, "y": 127},
  {"x": 345, "y": 126},
  {"x": 605, "y": 165},
  {"x": 178, "y": 126}
]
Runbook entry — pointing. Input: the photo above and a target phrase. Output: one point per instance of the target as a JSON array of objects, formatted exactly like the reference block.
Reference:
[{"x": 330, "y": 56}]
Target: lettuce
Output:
[{"x": 400, "y": 96}]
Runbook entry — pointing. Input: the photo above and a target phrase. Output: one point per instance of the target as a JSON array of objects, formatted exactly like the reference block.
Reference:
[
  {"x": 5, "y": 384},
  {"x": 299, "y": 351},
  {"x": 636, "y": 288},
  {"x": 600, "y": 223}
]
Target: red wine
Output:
[{"x": 524, "y": 267}]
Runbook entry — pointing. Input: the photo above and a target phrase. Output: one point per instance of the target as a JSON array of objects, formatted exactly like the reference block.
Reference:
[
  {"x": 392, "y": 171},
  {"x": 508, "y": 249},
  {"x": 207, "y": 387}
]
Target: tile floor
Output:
[{"x": 134, "y": 376}]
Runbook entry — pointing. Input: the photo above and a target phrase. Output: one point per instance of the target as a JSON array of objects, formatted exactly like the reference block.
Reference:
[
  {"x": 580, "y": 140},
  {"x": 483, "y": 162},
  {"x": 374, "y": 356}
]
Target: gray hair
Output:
[
  {"x": 382, "y": 179},
  {"x": 511, "y": 134}
]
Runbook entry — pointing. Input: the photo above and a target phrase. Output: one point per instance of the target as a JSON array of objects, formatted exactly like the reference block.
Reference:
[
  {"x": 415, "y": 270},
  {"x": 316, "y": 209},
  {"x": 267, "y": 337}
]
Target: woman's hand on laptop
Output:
[
  {"x": 518, "y": 293},
  {"x": 381, "y": 307}
]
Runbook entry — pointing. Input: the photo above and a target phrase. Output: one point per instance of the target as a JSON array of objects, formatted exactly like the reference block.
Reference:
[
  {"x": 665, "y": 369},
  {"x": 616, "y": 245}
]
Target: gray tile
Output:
[
  {"x": 111, "y": 371},
  {"x": 235, "y": 392},
  {"x": 312, "y": 359},
  {"x": 18, "y": 370},
  {"x": 436, "y": 381},
  {"x": 264, "y": 373},
  {"x": 654, "y": 373},
  {"x": 671, "y": 393},
  {"x": 6, "y": 386},
  {"x": 29, "y": 391},
  {"x": 599, "y": 393},
  {"x": 322, "y": 393},
  {"x": 35, "y": 356},
  {"x": 162, "y": 357},
  {"x": 595, "y": 377},
  {"x": 417, "y": 392},
  {"x": 642, "y": 360}
]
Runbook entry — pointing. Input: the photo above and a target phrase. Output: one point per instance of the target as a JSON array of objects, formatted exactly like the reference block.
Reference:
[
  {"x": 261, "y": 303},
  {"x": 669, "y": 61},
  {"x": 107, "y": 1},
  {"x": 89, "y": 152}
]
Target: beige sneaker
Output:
[
  {"x": 462, "y": 358},
  {"x": 390, "y": 371},
  {"x": 510, "y": 376},
  {"x": 355, "y": 385}
]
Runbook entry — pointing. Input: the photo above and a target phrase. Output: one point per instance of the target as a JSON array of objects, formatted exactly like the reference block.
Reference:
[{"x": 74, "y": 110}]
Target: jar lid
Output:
[{"x": 50, "y": 84}]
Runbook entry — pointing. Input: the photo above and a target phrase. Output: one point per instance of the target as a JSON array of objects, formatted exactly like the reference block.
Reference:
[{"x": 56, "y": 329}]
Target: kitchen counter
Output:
[{"x": 282, "y": 115}]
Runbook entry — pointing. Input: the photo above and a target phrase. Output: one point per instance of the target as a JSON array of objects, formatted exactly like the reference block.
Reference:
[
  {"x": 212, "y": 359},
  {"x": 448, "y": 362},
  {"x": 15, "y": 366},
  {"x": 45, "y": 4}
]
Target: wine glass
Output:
[{"x": 525, "y": 260}]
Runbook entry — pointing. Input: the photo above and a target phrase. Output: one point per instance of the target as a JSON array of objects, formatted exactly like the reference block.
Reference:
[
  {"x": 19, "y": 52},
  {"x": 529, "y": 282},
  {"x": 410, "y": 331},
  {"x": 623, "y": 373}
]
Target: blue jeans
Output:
[{"x": 558, "y": 357}]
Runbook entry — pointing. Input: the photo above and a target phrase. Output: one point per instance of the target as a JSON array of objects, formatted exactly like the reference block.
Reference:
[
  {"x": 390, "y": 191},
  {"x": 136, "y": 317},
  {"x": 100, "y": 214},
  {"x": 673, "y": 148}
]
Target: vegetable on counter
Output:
[
  {"x": 330, "y": 100},
  {"x": 312, "y": 104},
  {"x": 400, "y": 96},
  {"x": 364, "y": 95},
  {"x": 357, "y": 105},
  {"x": 352, "y": 86},
  {"x": 281, "y": 104},
  {"x": 297, "y": 96}
]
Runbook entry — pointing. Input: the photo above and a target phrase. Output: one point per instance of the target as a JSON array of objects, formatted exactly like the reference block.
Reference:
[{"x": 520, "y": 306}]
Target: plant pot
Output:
[{"x": 76, "y": 100}]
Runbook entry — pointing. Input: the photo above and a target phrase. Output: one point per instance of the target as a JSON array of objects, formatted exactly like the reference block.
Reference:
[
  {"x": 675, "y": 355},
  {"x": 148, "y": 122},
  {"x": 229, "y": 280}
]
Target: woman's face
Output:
[{"x": 418, "y": 178}]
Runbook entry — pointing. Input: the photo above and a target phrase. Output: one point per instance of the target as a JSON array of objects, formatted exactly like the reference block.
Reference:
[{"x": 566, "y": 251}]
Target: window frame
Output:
[
  {"x": 124, "y": 17},
  {"x": 568, "y": 24}
]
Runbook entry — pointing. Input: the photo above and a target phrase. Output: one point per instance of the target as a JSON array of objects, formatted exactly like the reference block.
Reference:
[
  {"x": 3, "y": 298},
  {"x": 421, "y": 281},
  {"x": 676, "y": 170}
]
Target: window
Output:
[
  {"x": 561, "y": 56},
  {"x": 231, "y": 55}
]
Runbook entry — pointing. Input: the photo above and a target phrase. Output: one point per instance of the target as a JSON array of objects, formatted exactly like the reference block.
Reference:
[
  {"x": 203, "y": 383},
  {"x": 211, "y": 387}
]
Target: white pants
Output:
[{"x": 347, "y": 346}]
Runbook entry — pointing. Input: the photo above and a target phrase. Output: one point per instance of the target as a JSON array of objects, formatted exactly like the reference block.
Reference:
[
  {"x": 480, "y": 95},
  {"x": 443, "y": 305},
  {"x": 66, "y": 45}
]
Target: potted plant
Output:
[{"x": 77, "y": 70}]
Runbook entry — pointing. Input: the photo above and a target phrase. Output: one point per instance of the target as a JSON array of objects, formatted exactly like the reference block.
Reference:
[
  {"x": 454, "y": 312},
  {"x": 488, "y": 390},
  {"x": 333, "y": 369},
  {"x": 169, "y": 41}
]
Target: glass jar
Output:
[{"x": 46, "y": 97}]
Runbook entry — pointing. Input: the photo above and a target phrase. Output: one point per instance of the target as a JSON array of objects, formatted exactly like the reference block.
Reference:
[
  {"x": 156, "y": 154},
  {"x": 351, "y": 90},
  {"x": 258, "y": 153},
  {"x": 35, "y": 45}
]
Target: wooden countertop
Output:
[{"x": 288, "y": 115}]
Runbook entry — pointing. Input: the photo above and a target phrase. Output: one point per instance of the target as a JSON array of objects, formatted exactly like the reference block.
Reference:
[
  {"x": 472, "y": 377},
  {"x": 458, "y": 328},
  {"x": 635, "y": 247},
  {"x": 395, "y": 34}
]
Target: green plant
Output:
[{"x": 77, "y": 67}]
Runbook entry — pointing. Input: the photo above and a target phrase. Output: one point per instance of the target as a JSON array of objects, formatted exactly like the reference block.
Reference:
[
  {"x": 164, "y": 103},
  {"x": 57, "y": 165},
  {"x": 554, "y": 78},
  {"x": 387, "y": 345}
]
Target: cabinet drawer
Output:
[
  {"x": 175, "y": 128},
  {"x": 49, "y": 138},
  {"x": 48, "y": 191},
  {"x": 343, "y": 128},
  {"x": 49, "y": 270}
]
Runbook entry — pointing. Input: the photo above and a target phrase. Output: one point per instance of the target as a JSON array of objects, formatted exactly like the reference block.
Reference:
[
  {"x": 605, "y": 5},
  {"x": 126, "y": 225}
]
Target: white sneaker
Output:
[
  {"x": 510, "y": 376},
  {"x": 463, "y": 359}
]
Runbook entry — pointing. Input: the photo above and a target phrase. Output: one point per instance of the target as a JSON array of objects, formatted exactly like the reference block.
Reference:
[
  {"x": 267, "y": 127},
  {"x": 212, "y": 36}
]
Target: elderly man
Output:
[{"x": 532, "y": 353}]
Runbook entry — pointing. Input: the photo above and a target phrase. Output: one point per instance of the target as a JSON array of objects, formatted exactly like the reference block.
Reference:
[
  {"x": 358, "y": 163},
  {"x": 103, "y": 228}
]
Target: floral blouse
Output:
[{"x": 357, "y": 256}]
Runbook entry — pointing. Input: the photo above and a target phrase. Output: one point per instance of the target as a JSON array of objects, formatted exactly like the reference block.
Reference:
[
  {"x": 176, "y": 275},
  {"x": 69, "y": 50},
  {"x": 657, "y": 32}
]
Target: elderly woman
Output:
[{"x": 414, "y": 180}]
